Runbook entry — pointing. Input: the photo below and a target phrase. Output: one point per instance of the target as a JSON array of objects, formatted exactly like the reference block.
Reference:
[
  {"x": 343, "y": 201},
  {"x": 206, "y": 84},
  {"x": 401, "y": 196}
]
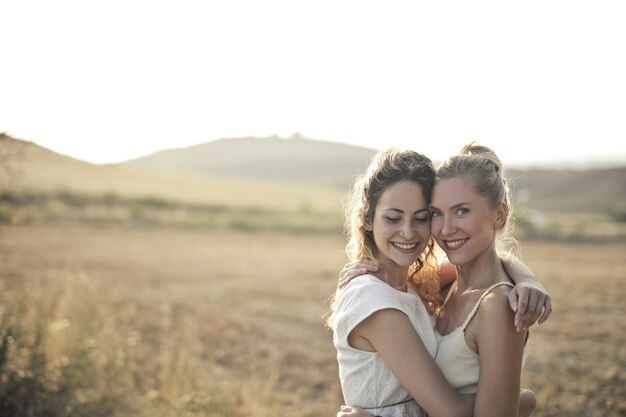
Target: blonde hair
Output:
[
  {"x": 388, "y": 167},
  {"x": 483, "y": 170}
]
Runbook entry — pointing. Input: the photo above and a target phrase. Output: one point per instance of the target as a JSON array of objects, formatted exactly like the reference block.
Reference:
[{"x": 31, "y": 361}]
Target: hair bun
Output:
[{"x": 475, "y": 148}]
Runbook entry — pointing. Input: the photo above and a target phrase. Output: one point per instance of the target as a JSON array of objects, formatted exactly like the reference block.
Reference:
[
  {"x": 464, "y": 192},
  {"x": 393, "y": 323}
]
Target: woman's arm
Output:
[
  {"x": 353, "y": 269},
  {"x": 391, "y": 334},
  {"x": 529, "y": 299},
  {"x": 501, "y": 349},
  {"x": 447, "y": 274},
  {"x": 527, "y": 405}
]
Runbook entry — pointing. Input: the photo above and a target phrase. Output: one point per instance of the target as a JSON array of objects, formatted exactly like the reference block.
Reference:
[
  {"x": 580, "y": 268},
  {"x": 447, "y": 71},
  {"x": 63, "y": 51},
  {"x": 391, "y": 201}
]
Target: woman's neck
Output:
[
  {"x": 481, "y": 272},
  {"x": 393, "y": 274}
]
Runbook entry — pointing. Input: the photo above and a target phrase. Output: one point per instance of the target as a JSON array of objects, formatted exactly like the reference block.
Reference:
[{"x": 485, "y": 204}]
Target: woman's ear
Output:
[
  {"x": 367, "y": 225},
  {"x": 501, "y": 215}
]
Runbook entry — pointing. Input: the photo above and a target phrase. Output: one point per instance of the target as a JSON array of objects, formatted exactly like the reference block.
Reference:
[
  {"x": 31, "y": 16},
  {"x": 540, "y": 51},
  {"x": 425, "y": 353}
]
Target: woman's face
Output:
[
  {"x": 462, "y": 222},
  {"x": 401, "y": 224}
]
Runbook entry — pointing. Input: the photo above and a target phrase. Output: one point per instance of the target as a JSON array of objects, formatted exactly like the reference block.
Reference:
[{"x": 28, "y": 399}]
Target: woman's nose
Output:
[
  {"x": 447, "y": 226},
  {"x": 407, "y": 230}
]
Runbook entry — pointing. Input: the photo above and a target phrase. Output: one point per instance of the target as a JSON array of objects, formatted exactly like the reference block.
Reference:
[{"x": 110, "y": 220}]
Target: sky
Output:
[{"x": 541, "y": 82}]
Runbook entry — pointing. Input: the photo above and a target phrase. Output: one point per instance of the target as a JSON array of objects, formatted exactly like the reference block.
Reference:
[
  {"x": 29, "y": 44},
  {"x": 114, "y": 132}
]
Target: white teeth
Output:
[
  {"x": 454, "y": 243},
  {"x": 404, "y": 247}
]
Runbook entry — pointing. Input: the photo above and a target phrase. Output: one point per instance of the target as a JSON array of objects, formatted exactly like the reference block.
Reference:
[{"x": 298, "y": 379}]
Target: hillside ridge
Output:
[
  {"x": 299, "y": 165},
  {"x": 27, "y": 168},
  {"x": 294, "y": 159},
  {"x": 302, "y": 160}
]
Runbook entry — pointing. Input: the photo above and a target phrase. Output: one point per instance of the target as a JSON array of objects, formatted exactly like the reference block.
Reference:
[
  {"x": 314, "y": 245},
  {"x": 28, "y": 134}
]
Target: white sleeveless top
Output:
[
  {"x": 366, "y": 381},
  {"x": 457, "y": 361}
]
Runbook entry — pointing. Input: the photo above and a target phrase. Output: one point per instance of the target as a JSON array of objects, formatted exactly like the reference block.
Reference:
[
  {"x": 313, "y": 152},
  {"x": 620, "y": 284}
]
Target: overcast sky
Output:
[{"x": 104, "y": 81}]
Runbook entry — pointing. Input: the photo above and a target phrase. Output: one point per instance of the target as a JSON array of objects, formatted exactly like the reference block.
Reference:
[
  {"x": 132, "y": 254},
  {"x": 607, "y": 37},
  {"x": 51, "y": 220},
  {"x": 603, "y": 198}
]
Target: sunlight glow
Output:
[{"x": 540, "y": 82}]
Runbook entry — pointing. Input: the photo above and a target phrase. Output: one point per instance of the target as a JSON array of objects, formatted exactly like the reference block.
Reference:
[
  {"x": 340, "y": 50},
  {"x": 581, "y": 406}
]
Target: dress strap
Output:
[
  {"x": 472, "y": 313},
  {"x": 449, "y": 294}
]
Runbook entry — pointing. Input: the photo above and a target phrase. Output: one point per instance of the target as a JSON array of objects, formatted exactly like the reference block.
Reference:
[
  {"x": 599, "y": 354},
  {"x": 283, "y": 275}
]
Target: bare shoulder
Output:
[
  {"x": 495, "y": 305},
  {"x": 496, "y": 329}
]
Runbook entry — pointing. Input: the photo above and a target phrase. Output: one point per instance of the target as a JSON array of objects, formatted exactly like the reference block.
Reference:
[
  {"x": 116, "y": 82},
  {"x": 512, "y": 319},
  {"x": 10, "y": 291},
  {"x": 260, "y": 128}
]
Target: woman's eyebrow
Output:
[
  {"x": 402, "y": 211},
  {"x": 451, "y": 208}
]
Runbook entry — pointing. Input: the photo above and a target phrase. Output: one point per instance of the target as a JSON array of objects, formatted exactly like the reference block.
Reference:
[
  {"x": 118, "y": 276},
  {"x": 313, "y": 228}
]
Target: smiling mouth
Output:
[
  {"x": 404, "y": 246},
  {"x": 454, "y": 244}
]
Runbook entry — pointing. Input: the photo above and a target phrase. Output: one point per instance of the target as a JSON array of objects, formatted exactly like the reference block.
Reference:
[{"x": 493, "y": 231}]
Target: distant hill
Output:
[
  {"x": 26, "y": 167},
  {"x": 595, "y": 190},
  {"x": 273, "y": 172},
  {"x": 295, "y": 159},
  {"x": 302, "y": 160}
]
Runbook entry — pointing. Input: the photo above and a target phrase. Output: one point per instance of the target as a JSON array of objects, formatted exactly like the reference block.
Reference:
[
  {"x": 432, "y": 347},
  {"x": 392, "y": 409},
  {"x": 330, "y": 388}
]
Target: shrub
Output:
[
  {"x": 6, "y": 213},
  {"x": 619, "y": 215}
]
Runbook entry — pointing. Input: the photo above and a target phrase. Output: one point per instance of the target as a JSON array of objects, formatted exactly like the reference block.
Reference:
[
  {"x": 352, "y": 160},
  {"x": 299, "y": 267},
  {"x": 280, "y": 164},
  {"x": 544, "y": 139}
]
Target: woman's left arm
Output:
[
  {"x": 529, "y": 299},
  {"x": 500, "y": 349}
]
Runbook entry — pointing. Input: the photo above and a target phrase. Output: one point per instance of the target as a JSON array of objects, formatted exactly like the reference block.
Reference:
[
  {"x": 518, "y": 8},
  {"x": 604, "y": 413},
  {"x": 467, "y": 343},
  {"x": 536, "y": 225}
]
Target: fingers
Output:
[
  {"x": 522, "y": 315},
  {"x": 356, "y": 268},
  {"x": 358, "y": 265},
  {"x": 513, "y": 302},
  {"x": 546, "y": 311},
  {"x": 349, "y": 275},
  {"x": 513, "y": 299},
  {"x": 519, "y": 305},
  {"x": 524, "y": 303},
  {"x": 344, "y": 411},
  {"x": 531, "y": 307}
]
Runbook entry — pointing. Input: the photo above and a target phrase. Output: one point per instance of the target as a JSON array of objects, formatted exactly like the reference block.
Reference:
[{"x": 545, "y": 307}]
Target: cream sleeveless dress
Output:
[
  {"x": 366, "y": 381},
  {"x": 457, "y": 361}
]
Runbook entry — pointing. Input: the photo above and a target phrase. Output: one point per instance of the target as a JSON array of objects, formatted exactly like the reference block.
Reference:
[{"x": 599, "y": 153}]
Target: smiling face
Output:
[
  {"x": 401, "y": 224},
  {"x": 463, "y": 223}
]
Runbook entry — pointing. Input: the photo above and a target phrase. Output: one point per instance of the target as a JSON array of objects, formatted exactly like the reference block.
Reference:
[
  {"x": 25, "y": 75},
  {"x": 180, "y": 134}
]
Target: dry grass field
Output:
[{"x": 165, "y": 322}]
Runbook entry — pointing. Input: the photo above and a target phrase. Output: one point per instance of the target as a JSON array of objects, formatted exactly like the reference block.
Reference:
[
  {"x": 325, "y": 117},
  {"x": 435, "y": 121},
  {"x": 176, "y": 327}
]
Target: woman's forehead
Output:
[{"x": 452, "y": 190}]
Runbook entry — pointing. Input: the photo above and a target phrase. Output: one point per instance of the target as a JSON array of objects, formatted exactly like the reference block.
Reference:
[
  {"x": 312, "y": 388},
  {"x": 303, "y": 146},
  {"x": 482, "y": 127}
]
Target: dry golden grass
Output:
[
  {"x": 577, "y": 360},
  {"x": 164, "y": 322},
  {"x": 180, "y": 323}
]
